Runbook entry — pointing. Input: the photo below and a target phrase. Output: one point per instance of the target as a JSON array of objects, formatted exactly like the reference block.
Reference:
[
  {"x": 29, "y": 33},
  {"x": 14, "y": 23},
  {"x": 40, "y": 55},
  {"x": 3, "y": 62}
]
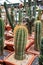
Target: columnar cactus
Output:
[
  {"x": 1, "y": 36},
  {"x": 41, "y": 53},
  {"x": 20, "y": 34},
  {"x": 30, "y": 23},
  {"x": 9, "y": 16},
  {"x": 12, "y": 14},
  {"x": 37, "y": 35}
]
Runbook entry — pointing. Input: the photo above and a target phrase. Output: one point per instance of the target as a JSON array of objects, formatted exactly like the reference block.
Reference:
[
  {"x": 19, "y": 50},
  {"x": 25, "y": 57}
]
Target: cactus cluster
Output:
[
  {"x": 1, "y": 36},
  {"x": 37, "y": 35},
  {"x": 41, "y": 53},
  {"x": 20, "y": 40}
]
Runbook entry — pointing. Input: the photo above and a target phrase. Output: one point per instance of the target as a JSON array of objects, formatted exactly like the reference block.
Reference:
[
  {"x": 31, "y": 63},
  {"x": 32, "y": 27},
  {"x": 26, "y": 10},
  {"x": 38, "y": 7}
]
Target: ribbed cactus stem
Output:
[
  {"x": 8, "y": 16},
  {"x": 12, "y": 14},
  {"x": 1, "y": 36},
  {"x": 34, "y": 8},
  {"x": 24, "y": 3},
  {"x": 21, "y": 34},
  {"x": 0, "y": 12},
  {"x": 20, "y": 15},
  {"x": 29, "y": 4},
  {"x": 41, "y": 53},
  {"x": 37, "y": 35}
]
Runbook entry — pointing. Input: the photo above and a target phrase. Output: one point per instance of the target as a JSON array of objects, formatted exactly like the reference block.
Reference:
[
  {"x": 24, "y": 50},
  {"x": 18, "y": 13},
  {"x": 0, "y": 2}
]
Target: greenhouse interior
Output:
[{"x": 21, "y": 32}]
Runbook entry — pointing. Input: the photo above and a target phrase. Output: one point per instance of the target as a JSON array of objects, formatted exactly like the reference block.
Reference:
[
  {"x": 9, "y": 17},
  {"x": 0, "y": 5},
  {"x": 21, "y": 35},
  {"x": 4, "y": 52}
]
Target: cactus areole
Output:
[
  {"x": 1, "y": 36},
  {"x": 37, "y": 35},
  {"x": 20, "y": 34}
]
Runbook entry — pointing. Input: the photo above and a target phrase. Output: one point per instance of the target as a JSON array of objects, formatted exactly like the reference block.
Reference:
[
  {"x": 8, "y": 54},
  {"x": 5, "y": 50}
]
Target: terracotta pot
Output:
[
  {"x": 29, "y": 44},
  {"x": 5, "y": 55},
  {"x": 31, "y": 50},
  {"x": 9, "y": 44},
  {"x": 12, "y": 61},
  {"x": 7, "y": 27}
]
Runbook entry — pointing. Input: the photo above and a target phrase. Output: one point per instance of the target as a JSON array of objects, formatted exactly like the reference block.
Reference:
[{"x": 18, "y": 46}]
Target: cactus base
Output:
[{"x": 20, "y": 57}]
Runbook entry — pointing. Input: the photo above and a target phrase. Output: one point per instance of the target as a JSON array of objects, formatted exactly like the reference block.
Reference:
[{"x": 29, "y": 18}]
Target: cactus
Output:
[
  {"x": 37, "y": 35},
  {"x": 0, "y": 12},
  {"x": 41, "y": 53},
  {"x": 30, "y": 23},
  {"x": 12, "y": 14},
  {"x": 8, "y": 16},
  {"x": 20, "y": 34},
  {"x": 1, "y": 36}
]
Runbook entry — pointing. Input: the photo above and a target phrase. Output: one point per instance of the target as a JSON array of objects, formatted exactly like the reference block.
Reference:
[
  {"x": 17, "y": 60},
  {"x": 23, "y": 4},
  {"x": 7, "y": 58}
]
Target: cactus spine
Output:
[
  {"x": 41, "y": 53},
  {"x": 8, "y": 16},
  {"x": 1, "y": 36},
  {"x": 21, "y": 33},
  {"x": 37, "y": 35}
]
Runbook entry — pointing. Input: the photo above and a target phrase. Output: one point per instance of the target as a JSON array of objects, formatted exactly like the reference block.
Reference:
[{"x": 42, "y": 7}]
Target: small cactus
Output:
[
  {"x": 37, "y": 35},
  {"x": 41, "y": 53},
  {"x": 1, "y": 36},
  {"x": 20, "y": 34}
]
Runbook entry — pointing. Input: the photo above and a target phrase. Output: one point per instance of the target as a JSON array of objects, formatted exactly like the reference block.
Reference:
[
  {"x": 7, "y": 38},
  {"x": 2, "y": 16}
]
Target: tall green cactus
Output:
[
  {"x": 37, "y": 34},
  {"x": 41, "y": 53},
  {"x": 1, "y": 36},
  {"x": 30, "y": 23},
  {"x": 12, "y": 14},
  {"x": 21, "y": 33},
  {"x": 9, "y": 16}
]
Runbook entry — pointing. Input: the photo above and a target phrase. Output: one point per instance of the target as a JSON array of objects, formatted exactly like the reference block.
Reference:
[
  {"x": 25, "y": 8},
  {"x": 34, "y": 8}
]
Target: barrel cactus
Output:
[
  {"x": 41, "y": 53},
  {"x": 37, "y": 35},
  {"x": 20, "y": 34},
  {"x": 1, "y": 36}
]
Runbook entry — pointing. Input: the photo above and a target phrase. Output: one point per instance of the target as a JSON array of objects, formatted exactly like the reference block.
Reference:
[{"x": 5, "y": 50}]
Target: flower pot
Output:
[
  {"x": 27, "y": 61},
  {"x": 7, "y": 27},
  {"x": 9, "y": 44},
  {"x": 31, "y": 50},
  {"x": 6, "y": 54}
]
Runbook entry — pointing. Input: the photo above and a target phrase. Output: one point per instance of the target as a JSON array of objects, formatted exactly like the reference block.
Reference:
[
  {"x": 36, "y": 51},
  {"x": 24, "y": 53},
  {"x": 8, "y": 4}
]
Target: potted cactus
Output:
[
  {"x": 20, "y": 34},
  {"x": 37, "y": 35}
]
